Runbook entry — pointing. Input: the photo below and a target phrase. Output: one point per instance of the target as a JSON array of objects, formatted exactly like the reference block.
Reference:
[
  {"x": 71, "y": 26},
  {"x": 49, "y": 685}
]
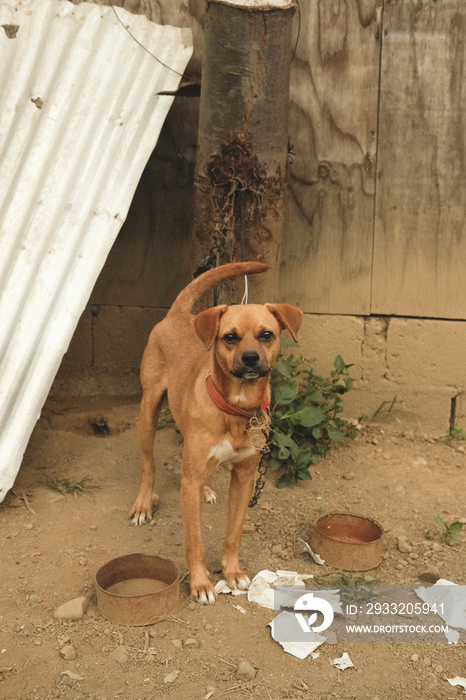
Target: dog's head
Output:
[{"x": 246, "y": 338}]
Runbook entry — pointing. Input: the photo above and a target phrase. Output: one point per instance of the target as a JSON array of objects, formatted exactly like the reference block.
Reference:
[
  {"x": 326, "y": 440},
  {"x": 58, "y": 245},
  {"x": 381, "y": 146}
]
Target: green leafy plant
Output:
[
  {"x": 451, "y": 531},
  {"x": 304, "y": 415},
  {"x": 456, "y": 433}
]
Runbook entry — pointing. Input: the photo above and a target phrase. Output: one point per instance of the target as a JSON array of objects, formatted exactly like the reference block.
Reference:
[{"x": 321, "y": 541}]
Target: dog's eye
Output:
[
  {"x": 231, "y": 338},
  {"x": 266, "y": 336}
]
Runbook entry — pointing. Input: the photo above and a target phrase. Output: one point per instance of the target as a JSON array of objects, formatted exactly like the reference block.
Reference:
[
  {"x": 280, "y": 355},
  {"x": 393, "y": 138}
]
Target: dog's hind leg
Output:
[
  {"x": 147, "y": 499},
  {"x": 209, "y": 495}
]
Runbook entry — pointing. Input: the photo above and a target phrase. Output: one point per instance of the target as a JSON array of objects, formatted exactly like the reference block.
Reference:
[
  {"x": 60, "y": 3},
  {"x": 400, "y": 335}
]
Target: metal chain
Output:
[{"x": 260, "y": 482}]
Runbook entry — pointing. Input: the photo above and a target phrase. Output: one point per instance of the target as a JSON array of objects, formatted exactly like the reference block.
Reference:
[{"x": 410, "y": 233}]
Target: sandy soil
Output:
[{"x": 52, "y": 545}]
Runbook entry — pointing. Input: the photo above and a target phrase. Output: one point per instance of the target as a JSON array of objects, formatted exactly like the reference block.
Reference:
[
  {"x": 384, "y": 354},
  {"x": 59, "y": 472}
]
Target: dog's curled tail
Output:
[{"x": 185, "y": 300}]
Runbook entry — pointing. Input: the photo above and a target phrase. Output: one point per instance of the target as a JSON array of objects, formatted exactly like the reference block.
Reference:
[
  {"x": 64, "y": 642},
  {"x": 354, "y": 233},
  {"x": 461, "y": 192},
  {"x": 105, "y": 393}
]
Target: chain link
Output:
[{"x": 260, "y": 481}]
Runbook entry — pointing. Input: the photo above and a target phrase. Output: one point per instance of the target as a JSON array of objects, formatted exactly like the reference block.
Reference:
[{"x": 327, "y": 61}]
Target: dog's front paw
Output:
[
  {"x": 143, "y": 509},
  {"x": 202, "y": 591},
  {"x": 237, "y": 580}
]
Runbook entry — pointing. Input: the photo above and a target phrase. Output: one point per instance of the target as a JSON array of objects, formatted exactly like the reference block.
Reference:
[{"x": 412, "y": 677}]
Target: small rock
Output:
[
  {"x": 245, "y": 672},
  {"x": 121, "y": 654},
  {"x": 415, "y": 657},
  {"x": 171, "y": 677},
  {"x": 34, "y": 599},
  {"x": 29, "y": 526},
  {"x": 413, "y": 556},
  {"x": 348, "y": 476},
  {"x": 190, "y": 643},
  {"x": 177, "y": 643},
  {"x": 192, "y": 606},
  {"x": 438, "y": 668},
  {"x": 82, "y": 561},
  {"x": 68, "y": 652},
  {"x": 403, "y": 544},
  {"x": 430, "y": 535},
  {"x": 429, "y": 576},
  {"x": 426, "y": 661},
  {"x": 72, "y": 609},
  {"x": 420, "y": 462}
]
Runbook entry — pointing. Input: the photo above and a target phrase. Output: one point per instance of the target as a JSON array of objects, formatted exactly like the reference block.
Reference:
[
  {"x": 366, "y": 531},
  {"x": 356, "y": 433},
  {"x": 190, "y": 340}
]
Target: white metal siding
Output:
[{"x": 79, "y": 118}]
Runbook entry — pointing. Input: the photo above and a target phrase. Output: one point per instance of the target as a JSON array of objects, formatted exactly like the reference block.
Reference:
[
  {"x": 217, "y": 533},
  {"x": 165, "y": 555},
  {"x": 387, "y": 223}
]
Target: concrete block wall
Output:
[{"x": 420, "y": 363}]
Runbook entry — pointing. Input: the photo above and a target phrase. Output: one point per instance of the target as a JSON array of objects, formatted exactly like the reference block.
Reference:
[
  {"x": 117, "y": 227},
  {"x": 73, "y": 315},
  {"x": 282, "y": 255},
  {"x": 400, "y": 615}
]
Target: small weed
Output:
[
  {"x": 64, "y": 485},
  {"x": 344, "y": 579},
  {"x": 356, "y": 588},
  {"x": 456, "y": 433},
  {"x": 449, "y": 532},
  {"x": 304, "y": 415},
  {"x": 383, "y": 412}
]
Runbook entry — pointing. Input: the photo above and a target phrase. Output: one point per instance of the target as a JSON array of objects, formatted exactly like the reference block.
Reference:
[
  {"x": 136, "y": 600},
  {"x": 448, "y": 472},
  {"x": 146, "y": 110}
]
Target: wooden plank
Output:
[
  {"x": 327, "y": 243},
  {"x": 420, "y": 229}
]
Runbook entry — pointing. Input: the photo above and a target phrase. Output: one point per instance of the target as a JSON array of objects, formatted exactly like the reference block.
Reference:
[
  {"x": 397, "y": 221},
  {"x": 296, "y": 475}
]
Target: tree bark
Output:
[{"x": 242, "y": 152}]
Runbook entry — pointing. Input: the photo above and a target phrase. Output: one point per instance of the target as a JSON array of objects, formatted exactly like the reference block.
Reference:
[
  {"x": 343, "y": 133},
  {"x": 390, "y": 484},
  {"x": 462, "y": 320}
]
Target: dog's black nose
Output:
[{"x": 250, "y": 358}]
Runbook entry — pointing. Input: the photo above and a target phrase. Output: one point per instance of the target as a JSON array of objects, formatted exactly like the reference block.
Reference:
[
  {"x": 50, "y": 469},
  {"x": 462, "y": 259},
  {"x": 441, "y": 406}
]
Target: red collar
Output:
[{"x": 221, "y": 402}]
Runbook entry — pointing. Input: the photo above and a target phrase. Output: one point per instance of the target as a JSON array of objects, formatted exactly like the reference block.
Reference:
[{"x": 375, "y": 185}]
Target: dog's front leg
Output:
[
  {"x": 241, "y": 488},
  {"x": 192, "y": 484}
]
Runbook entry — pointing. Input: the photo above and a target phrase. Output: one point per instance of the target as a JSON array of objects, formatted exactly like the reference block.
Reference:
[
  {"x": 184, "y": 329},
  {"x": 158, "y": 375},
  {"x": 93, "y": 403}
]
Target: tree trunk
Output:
[{"x": 243, "y": 136}]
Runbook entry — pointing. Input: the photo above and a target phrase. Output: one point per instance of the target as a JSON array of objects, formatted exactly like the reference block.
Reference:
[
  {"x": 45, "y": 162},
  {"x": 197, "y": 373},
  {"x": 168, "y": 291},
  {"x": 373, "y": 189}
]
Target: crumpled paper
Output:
[
  {"x": 223, "y": 587},
  {"x": 450, "y": 601},
  {"x": 343, "y": 662},
  {"x": 316, "y": 557},
  {"x": 300, "y": 649},
  {"x": 261, "y": 590}
]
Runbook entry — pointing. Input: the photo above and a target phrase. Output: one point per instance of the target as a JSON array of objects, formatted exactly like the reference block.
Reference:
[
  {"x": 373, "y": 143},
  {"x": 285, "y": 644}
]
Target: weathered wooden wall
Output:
[
  {"x": 420, "y": 222},
  {"x": 377, "y": 192},
  {"x": 376, "y": 206},
  {"x": 327, "y": 251}
]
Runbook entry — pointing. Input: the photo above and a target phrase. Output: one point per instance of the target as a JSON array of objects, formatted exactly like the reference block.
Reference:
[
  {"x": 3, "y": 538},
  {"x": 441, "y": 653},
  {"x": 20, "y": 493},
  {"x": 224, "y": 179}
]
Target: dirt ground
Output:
[{"x": 52, "y": 545}]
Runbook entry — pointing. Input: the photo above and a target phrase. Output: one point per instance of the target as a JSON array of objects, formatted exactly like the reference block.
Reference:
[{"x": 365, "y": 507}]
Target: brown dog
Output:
[{"x": 215, "y": 369}]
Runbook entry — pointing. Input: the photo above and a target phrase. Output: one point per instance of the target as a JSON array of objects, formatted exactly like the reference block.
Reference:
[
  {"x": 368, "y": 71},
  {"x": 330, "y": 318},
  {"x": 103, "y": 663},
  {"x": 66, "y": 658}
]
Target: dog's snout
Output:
[{"x": 250, "y": 358}]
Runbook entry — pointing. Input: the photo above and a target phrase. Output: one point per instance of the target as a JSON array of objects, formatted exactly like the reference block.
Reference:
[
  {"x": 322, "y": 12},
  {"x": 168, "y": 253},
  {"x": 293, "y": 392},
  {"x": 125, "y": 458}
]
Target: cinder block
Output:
[
  {"x": 323, "y": 337},
  {"x": 120, "y": 334}
]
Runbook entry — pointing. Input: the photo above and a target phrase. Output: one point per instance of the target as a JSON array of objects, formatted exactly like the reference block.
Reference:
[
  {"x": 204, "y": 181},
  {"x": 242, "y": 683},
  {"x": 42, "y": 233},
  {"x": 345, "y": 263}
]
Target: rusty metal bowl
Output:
[
  {"x": 137, "y": 589},
  {"x": 348, "y": 541}
]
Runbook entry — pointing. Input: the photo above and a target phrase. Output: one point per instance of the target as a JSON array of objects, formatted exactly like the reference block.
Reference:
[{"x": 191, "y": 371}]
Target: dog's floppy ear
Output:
[
  {"x": 206, "y": 324},
  {"x": 288, "y": 316}
]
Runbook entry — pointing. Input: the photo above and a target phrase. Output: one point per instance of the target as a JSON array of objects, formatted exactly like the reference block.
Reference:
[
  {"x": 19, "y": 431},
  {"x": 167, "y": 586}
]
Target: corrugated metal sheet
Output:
[{"x": 79, "y": 118}]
